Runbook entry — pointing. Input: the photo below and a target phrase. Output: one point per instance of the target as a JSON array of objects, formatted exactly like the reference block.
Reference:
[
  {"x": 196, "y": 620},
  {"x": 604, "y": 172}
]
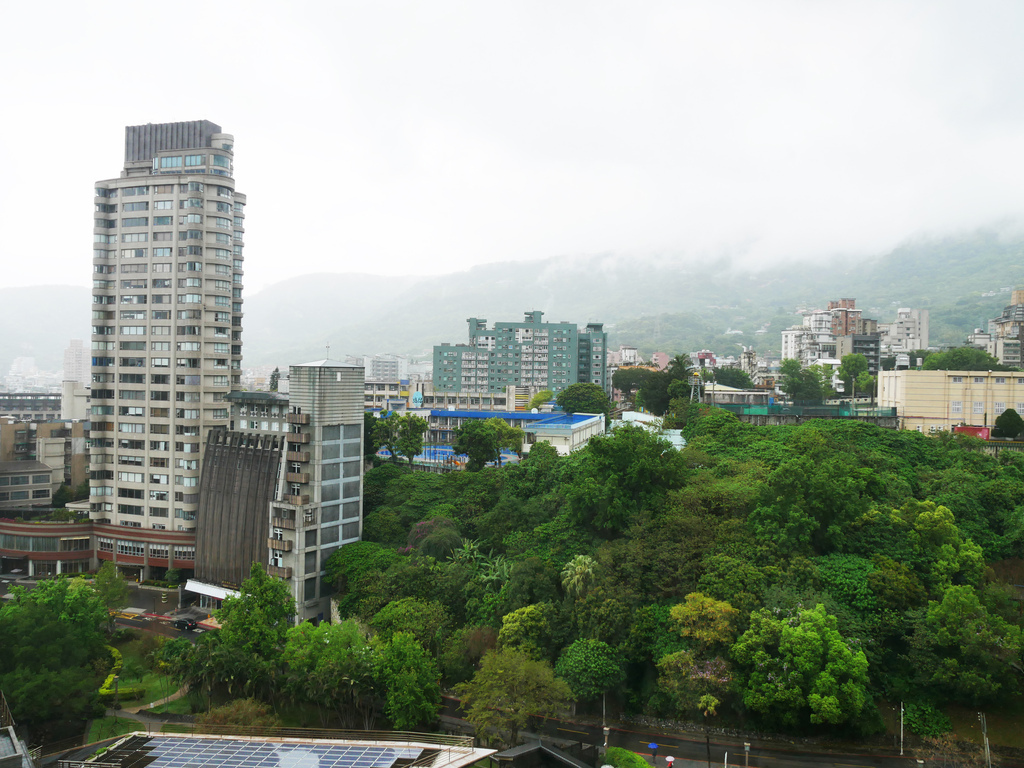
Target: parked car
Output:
[{"x": 186, "y": 625}]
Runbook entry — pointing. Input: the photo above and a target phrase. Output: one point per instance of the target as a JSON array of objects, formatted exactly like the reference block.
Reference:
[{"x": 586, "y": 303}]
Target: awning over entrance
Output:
[{"x": 210, "y": 590}]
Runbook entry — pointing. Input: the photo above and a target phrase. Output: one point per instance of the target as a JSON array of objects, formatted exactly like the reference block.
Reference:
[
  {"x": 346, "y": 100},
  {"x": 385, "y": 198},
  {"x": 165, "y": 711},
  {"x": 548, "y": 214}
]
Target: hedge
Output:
[
  {"x": 107, "y": 690},
  {"x": 623, "y": 758}
]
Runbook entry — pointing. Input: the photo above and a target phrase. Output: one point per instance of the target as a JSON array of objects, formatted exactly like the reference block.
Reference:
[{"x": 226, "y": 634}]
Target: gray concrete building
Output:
[
  {"x": 283, "y": 485},
  {"x": 166, "y": 344}
]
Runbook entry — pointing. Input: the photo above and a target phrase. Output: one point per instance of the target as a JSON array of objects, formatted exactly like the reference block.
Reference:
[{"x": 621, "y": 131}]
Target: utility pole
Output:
[
  {"x": 901, "y": 728},
  {"x": 984, "y": 739}
]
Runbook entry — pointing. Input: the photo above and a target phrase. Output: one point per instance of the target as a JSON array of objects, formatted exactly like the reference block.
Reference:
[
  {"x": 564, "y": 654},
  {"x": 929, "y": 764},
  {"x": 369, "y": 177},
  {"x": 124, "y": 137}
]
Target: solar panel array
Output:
[{"x": 168, "y": 752}]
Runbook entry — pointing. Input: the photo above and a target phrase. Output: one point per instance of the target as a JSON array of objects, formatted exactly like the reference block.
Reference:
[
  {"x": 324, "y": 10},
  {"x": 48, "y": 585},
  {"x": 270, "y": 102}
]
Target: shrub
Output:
[
  {"x": 623, "y": 758},
  {"x": 925, "y": 720}
]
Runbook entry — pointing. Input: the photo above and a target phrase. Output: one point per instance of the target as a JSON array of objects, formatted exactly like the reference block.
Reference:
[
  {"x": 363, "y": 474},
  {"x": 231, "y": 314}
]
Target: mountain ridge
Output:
[{"x": 653, "y": 301}]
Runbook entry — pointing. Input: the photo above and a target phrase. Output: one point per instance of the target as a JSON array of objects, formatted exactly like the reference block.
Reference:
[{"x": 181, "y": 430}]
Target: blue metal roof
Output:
[{"x": 489, "y": 414}]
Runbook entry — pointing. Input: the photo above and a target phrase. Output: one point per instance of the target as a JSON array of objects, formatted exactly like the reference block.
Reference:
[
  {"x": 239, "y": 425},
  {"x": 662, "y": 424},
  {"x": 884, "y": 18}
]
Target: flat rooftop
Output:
[{"x": 141, "y": 750}]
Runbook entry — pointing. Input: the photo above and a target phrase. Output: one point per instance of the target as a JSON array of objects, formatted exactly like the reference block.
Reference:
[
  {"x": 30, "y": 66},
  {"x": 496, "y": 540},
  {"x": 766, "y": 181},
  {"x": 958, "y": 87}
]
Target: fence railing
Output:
[{"x": 810, "y": 410}]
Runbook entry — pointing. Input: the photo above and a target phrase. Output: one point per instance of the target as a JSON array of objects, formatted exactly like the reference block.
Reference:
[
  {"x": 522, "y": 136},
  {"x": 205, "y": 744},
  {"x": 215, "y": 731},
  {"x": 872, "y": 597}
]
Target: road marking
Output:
[{"x": 570, "y": 730}]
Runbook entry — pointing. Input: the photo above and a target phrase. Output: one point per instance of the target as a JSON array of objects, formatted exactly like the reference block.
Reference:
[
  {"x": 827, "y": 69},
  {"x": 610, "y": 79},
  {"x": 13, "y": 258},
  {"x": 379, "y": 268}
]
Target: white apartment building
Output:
[
  {"x": 166, "y": 330},
  {"x": 76, "y": 362},
  {"x": 908, "y": 333}
]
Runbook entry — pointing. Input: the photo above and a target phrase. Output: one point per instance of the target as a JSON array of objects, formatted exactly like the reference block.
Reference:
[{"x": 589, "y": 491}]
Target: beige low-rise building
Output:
[{"x": 931, "y": 401}]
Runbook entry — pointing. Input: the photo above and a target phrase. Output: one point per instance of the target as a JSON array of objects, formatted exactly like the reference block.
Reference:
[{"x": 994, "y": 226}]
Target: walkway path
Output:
[{"x": 145, "y": 707}]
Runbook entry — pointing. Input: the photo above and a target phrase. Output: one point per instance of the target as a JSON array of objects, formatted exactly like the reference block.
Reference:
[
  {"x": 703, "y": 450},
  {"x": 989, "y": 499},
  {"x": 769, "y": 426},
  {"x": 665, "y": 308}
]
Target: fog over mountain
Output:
[{"x": 652, "y": 300}]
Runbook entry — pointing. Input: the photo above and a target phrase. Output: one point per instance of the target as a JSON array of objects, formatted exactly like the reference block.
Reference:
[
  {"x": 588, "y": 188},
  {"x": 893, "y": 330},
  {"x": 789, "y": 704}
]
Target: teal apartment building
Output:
[{"x": 531, "y": 354}]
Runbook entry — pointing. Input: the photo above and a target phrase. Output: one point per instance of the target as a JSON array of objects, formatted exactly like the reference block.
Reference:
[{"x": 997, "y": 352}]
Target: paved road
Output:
[
  {"x": 155, "y": 625},
  {"x": 694, "y": 750}
]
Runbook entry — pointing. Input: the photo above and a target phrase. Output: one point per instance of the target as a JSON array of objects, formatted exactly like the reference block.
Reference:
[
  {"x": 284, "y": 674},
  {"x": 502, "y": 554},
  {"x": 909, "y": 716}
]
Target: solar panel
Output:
[{"x": 190, "y": 752}]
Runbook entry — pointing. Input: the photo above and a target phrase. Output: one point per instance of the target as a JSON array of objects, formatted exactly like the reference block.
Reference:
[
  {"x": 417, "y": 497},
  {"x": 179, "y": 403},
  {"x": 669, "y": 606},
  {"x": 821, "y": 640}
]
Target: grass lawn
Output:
[
  {"x": 177, "y": 707},
  {"x": 108, "y": 727},
  {"x": 157, "y": 685}
]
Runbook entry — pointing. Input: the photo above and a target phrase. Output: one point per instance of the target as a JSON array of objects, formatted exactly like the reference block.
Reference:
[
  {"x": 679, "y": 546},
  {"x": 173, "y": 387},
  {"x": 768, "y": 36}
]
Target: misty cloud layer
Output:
[{"x": 418, "y": 137}]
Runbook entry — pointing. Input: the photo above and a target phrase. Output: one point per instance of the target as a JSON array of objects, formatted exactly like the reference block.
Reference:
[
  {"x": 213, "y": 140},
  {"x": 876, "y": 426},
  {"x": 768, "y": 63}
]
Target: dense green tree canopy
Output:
[
  {"x": 584, "y": 398},
  {"x": 850, "y": 371},
  {"x": 482, "y": 441},
  {"x": 800, "y": 668},
  {"x": 630, "y": 379},
  {"x": 1009, "y": 424},
  {"x": 804, "y": 384},
  {"x": 52, "y": 640},
  {"x": 733, "y": 377},
  {"x": 701, "y": 570},
  {"x": 542, "y": 397},
  {"x": 963, "y": 359},
  {"x": 510, "y": 687},
  {"x": 410, "y": 680},
  {"x": 590, "y": 667}
]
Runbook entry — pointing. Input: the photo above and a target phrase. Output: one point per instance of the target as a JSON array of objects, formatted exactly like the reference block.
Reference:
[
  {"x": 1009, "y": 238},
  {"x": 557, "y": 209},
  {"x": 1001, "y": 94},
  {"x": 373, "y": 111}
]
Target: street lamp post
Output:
[
  {"x": 746, "y": 754},
  {"x": 901, "y": 728},
  {"x": 606, "y": 730},
  {"x": 984, "y": 738}
]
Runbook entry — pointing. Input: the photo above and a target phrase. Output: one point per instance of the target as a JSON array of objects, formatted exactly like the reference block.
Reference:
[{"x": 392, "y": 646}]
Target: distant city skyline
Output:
[{"x": 453, "y": 133}]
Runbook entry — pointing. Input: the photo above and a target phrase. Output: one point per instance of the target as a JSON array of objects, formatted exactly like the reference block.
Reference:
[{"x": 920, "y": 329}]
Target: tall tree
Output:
[
  {"x": 630, "y": 380},
  {"x": 507, "y": 437},
  {"x": 254, "y": 627},
  {"x": 331, "y": 665},
  {"x": 112, "y": 588},
  {"x": 410, "y": 679},
  {"x": 733, "y": 377},
  {"x": 591, "y": 668},
  {"x": 850, "y": 369},
  {"x": 482, "y": 441},
  {"x": 386, "y": 433},
  {"x": 509, "y": 687},
  {"x": 658, "y": 389},
  {"x": 1009, "y": 424},
  {"x": 577, "y": 576},
  {"x": 542, "y": 397},
  {"x": 799, "y": 670},
  {"x": 275, "y": 378},
  {"x": 411, "y": 429},
  {"x": 967, "y": 654},
  {"x": 584, "y": 398},
  {"x": 52, "y": 641},
  {"x": 424, "y": 620},
  {"x": 370, "y": 442},
  {"x": 963, "y": 359},
  {"x": 620, "y": 476},
  {"x": 801, "y": 384}
]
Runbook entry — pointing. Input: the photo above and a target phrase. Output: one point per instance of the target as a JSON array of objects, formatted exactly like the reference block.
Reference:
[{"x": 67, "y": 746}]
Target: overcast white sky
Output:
[{"x": 426, "y": 136}]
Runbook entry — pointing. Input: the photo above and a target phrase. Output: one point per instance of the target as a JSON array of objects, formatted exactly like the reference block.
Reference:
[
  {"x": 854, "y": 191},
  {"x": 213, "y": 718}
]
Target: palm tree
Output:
[{"x": 578, "y": 575}]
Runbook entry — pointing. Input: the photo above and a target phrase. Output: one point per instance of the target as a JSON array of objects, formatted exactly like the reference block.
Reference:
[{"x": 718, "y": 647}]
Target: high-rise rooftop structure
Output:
[
  {"x": 76, "y": 362},
  {"x": 166, "y": 336}
]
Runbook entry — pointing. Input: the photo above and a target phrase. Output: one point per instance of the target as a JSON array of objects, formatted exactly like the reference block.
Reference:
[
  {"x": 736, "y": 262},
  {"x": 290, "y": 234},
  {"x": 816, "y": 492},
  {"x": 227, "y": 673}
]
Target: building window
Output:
[
  {"x": 979, "y": 407},
  {"x": 979, "y": 380},
  {"x": 957, "y": 406},
  {"x": 999, "y": 407}
]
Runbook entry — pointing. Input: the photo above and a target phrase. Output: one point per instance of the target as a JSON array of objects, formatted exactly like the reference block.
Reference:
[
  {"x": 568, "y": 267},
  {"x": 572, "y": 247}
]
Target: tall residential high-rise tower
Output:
[{"x": 166, "y": 336}]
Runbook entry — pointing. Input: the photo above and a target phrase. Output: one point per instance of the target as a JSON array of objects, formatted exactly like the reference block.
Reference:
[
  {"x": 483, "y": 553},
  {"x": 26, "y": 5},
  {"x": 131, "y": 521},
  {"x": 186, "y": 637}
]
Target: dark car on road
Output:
[{"x": 186, "y": 625}]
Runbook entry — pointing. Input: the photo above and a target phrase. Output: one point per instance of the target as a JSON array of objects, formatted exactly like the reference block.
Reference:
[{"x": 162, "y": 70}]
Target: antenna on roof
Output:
[{"x": 328, "y": 350}]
